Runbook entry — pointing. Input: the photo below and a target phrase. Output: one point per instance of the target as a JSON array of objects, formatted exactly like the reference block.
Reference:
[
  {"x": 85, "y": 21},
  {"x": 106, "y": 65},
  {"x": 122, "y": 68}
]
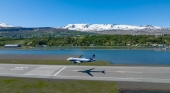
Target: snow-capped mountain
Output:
[
  {"x": 4, "y": 25},
  {"x": 103, "y": 27}
]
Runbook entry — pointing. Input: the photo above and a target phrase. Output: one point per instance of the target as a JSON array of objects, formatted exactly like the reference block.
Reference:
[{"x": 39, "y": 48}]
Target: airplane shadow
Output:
[{"x": 90, "y": 70}]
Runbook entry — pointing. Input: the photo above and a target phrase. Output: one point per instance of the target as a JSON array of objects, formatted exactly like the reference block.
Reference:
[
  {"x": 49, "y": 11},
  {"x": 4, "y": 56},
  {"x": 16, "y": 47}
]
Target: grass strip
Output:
[
  {"x": 32, "y": 85},
  {"x": 52, "y": 62}
]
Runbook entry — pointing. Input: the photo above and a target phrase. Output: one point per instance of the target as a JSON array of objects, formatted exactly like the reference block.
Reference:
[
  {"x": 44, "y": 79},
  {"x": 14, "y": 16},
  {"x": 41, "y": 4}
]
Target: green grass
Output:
[
  {"x": 32, "y": 85},
  {"x": 52, "y": 62},
  {"x": 64, "y": 62}
]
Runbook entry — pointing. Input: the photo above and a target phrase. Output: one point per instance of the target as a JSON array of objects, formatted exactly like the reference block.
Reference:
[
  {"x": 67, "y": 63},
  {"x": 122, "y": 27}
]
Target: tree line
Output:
[
  {"x": 94, "y": 40},
  {"x": 102, "y": 40}
]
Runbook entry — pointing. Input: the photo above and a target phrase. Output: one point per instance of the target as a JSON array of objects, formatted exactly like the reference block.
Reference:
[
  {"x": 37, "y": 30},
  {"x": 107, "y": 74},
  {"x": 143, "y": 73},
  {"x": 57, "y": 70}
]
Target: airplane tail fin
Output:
[
  {"x": 103, "y": 71},
  {"x": 92, "y": 56}
]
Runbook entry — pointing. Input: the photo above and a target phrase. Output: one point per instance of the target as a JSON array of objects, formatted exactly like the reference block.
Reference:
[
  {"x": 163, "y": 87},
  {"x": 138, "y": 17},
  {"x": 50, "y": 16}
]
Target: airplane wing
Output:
[
  {"x": 89, "y": 73},
  {"x": 77, "y": 62}
]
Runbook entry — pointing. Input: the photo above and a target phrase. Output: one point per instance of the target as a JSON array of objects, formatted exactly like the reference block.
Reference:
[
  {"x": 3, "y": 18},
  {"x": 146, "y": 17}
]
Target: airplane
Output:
[
  {"x": 90, "y": 70},
  {"x": 81, "y": 60}
]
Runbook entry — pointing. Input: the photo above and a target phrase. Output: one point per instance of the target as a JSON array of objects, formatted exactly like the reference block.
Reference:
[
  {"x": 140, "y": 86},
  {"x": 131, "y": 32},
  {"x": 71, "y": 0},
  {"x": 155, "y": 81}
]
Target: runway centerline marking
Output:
[
  {"x": 127, "y": 72},
  {"x": 21, "y": 67},
  {"x": 59, "y": 71},
  {"x": 17, "y": 69}
]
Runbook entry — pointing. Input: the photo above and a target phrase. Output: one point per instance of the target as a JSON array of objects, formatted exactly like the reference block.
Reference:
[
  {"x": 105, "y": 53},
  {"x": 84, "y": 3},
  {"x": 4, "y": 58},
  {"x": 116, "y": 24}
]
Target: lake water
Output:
[{"x": 114, "y": 56}]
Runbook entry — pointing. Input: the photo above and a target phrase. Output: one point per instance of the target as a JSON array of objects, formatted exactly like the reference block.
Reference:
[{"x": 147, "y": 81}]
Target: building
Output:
[{"x": 12, "y": 46}]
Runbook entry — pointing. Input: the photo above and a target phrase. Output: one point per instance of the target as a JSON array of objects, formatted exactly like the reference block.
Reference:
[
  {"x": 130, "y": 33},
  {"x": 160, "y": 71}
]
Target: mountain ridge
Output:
[
  {"x": 5, "y": 25},
  {"x": 96, "y": 28},
  {"x": 103, "y": 27}
]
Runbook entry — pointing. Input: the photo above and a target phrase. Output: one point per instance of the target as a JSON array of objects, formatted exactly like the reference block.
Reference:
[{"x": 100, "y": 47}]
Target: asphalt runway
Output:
[{"x": 106, "y": 73}]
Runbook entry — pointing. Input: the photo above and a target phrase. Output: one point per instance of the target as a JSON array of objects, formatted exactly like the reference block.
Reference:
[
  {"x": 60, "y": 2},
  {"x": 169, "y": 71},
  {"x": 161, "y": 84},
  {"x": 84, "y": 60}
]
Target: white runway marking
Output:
[
  {"x": 17, "y": 69},
  {"x": 20, "y": 68},
  {"x": 36, "y": 75},
  {"x": 126, "y": 72},
  {"x": 59, "y": 71}
]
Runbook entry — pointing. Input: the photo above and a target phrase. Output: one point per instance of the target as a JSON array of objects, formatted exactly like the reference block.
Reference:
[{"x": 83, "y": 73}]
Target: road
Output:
[{"x": 106, "y": 73}]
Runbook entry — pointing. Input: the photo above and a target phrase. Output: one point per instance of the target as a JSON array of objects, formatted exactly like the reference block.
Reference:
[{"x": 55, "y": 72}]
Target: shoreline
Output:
[
  {"x": 153, "y": 49},
  {"x": 86, "y": 47},
  {"x": 61, "y": 59}
]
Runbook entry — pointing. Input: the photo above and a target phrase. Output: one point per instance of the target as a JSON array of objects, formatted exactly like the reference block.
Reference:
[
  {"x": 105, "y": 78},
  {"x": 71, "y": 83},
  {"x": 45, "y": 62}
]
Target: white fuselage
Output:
[{"x": 80, "y": 60}]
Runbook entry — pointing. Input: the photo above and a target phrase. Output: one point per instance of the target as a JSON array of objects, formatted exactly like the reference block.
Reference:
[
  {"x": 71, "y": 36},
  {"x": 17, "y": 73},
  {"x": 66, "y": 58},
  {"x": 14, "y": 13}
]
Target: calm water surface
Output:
[{"x": 114, "y": 56}]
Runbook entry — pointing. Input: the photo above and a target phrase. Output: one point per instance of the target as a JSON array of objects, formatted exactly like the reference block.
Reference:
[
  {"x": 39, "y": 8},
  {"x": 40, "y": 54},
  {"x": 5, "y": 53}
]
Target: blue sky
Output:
[{"x": 56, "y": 13}]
